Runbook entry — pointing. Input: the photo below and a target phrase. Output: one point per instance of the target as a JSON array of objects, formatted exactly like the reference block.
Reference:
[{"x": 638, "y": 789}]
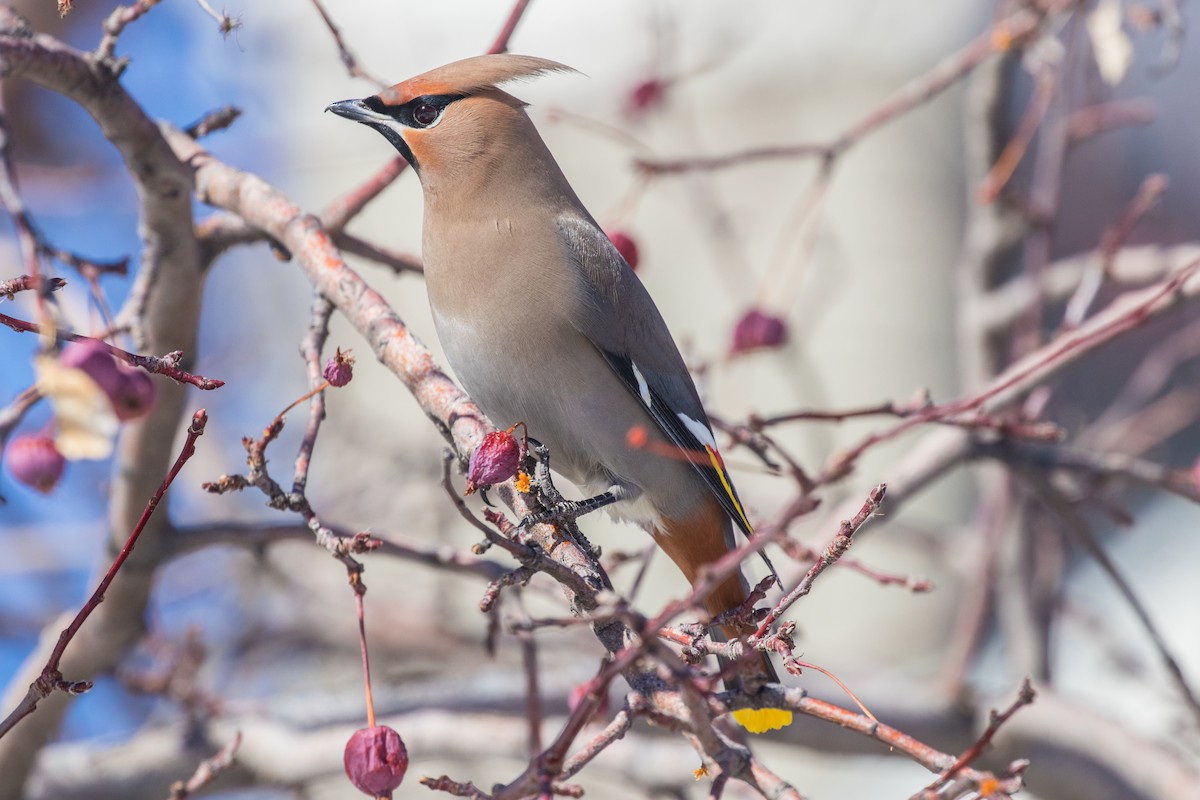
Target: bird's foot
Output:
[
  {"x": 548, "y": 494},
  {"x": 567, "y": 511}
]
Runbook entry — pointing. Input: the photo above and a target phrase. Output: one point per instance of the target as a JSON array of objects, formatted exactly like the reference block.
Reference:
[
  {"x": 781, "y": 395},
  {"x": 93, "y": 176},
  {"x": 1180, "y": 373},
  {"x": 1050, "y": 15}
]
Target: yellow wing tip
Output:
[{"x": 761, "y": 720}]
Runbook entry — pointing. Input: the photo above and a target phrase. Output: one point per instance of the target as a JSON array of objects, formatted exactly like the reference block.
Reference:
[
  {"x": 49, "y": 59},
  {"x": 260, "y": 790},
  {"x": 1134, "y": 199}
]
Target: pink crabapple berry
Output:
[
  {"x": 339, "y": 369},
  {"x": 130, "y": 391},
  {"x": 646, "y": 95},
  {"x": 758, "y": 330},
  {"x": 34, "y": 461},
  {"x": 376, "y": 760},
  {"x": 496, "y": 460},
  {"x": 135, "y": 394}
]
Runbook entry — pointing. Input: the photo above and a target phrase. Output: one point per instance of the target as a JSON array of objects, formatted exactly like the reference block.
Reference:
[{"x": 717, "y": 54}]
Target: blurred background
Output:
[{"x": 865, "y": 270}]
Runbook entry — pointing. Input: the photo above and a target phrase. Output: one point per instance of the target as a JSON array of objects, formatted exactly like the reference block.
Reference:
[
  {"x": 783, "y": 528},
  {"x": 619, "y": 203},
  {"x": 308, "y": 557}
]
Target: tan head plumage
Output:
[
  {"x": 457, "y": 128},
  {"x": 469, "y": 76}
]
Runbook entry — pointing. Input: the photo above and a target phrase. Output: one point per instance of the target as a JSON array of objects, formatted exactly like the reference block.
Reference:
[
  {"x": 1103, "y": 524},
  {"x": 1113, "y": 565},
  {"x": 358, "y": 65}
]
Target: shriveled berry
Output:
[
  {"x": 376, "y": 760},
  {"x": 625, "y": 245},
  {"x": 340, "y": 368},
  {"x": 495, "y": 460},
  {"x": 34, "y": 461},
  {"x": 757, "y": 330}
]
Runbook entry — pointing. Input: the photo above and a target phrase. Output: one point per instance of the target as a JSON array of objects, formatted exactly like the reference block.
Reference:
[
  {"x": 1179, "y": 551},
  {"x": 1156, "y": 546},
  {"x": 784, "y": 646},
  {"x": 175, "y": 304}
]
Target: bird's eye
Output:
[{"x": 425, "y": 114}]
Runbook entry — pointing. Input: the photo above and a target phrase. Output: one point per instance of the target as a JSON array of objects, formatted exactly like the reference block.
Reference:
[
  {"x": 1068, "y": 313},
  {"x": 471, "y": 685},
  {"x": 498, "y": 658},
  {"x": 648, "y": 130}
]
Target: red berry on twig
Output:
[
  {"x": 339, "y": 369},
  {"x": 376, "y": 760},
  {"x": 497, "y": 459}
]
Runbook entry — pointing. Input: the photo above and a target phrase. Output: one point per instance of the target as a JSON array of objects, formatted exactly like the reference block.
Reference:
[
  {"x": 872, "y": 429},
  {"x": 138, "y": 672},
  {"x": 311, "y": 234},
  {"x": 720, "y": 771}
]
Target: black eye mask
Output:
[{"x": 420, "y": 112}]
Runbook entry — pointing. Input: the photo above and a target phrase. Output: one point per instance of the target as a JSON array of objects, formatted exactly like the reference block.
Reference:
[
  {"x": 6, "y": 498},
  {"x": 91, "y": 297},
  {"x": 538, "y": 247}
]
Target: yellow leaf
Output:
[{"x": 761, "y": 720}]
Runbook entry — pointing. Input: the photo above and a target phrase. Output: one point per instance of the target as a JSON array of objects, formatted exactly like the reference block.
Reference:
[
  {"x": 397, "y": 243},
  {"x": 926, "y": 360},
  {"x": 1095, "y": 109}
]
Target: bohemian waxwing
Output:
[{"x": 545, "y": 323}]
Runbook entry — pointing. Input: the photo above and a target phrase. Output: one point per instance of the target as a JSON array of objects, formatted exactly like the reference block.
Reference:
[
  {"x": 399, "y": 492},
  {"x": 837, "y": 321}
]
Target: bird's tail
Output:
[{"x": 701, "y": 539}]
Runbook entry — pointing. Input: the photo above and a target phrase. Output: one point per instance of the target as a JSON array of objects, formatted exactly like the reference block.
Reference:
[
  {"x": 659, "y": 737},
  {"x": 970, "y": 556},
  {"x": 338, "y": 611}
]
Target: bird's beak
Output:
[{"x": 353, "y": 109}]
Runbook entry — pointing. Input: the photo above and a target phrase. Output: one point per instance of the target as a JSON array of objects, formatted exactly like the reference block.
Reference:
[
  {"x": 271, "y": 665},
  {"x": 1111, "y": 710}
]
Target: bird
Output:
[{"x": 545, "y": 323}]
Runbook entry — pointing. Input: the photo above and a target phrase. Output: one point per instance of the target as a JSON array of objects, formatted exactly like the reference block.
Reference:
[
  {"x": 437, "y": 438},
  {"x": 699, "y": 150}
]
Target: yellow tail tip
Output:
[{"x": 761, "y": 720}]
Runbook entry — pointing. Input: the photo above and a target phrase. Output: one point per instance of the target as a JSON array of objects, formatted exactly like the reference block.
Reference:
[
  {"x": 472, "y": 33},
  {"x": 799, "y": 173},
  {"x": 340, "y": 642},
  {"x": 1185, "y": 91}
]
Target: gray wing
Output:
[{"x": 618, "y": 317}]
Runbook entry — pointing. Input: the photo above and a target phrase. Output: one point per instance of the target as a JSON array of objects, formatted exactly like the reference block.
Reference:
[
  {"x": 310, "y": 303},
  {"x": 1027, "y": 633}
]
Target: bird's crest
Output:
[{"x": 470, "y": 75}]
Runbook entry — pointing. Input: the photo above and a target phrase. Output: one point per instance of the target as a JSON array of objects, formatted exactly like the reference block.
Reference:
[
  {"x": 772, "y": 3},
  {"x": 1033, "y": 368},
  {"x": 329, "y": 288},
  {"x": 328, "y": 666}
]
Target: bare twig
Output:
[
  {"x": 977, "y": 420},
  {"x": 116, "y": 23},
  {"x": 500, "y": 45},
  {"x": 1008, "y": 33},
  {"x": 25, "y": 283},
  {"x": 836, "y": 548},
  {"x": 360, "y": 589},
  {"x": 1025, "y": 696},
  {"x": 226, "y": 23},
  {"x": 167, "y": 365},
  {"x": 51, "y": 679},
  {"x": 27, "y": 236},
  {"x": 1078, "y": 528},
  {"x": 1084, "y": 123},
  {"x": 207, "y": 771},
  {"x": 15, "y": 411},
  {"x": 349, "y": 60},
  {"x": 213, "y": 121},
  {"x": 311, "y": 348},
  {"x": 1045, "y": 86},
  {"x": 1113, "y": 239},
  {"x": 1127, "y": 312},
  {"x": 338, "y": 214},
  {"x": 399, "y": 262},
  {"x": 1002, "y": 786}
]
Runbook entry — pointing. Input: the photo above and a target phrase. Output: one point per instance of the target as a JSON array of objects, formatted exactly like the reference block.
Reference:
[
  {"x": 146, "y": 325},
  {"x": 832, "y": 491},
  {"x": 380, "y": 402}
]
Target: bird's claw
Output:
[{"x": 563, "y": 511}]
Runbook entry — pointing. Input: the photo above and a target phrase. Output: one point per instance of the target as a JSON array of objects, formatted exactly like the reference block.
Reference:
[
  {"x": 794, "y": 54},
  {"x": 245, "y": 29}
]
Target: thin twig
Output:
[
  {"x": 311, "y": 347},
  {"x": 360, "y": 589},
  {"x": 836, "y": 548},
  {"x": 398, "y": 261},
  {"x": 51, "y": 679},
  {"x": 116, "y": 22},
  {"x": 1025, "y": 696},
  {"x": 338, "y": 214},
  {"x": 216, "y": 120},
  {"x": 226, "y": 24},
  {"x": 167, "y": 365},
  {"x": 1111, "y": 242},
  {"x": 27, "y": 235},
  {"x": 1126, "y": 313},
  {"x": 500, "y": 45},
  {"x": 1083, "y": 536},
  {"x": 208, "y": 770},
  {"x": 1006, "y": 34},
  {"x": 349, "y": 60},
  {"x": 1045, "y": 87},
  {"x": 25, "y": 283}
]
